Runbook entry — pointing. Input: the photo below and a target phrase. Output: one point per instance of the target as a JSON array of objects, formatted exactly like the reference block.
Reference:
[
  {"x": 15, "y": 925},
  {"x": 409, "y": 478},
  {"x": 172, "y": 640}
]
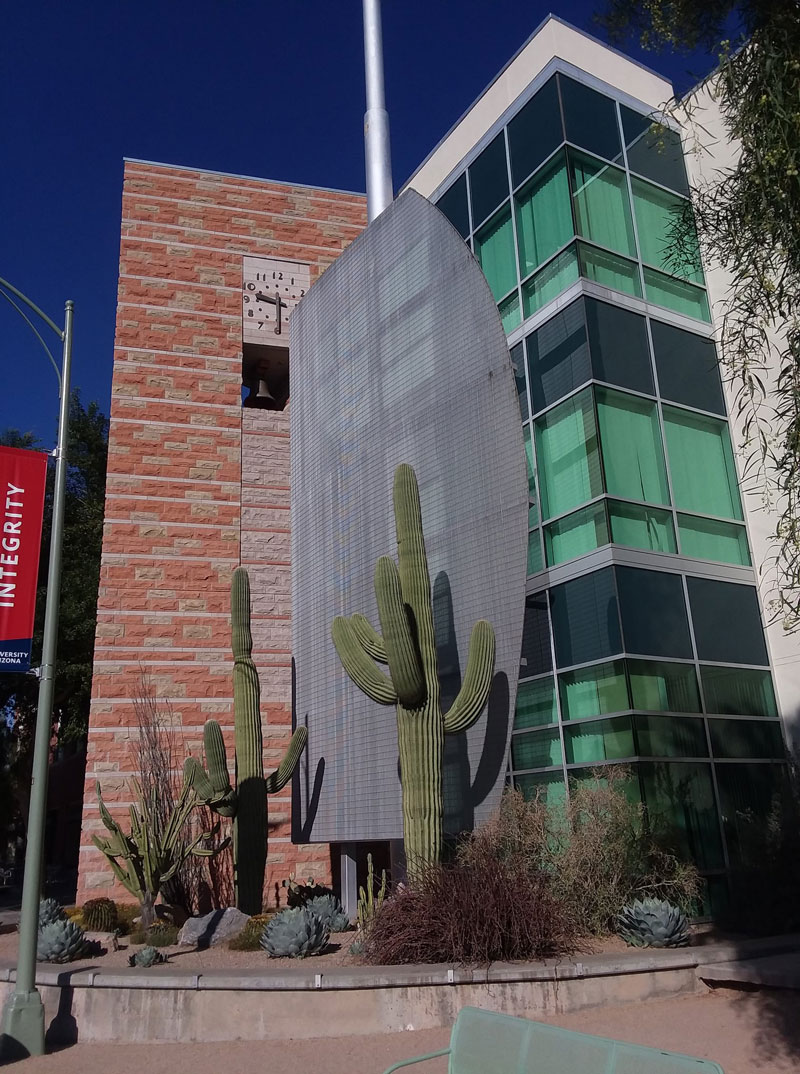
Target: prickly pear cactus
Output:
[
  {"x": 247, "y": 803},
  {"x": 295, "y": 933},
  {"x": 49, "y": 911},
  {"x": 99, "y": 915},
  {"x": 653, "y": 923},
  {"x": 331, "y": 911},
  {"x": 60, "y": 941},
  {"x": 147, "y": 957},
  {"x": 408, "y": 647}
]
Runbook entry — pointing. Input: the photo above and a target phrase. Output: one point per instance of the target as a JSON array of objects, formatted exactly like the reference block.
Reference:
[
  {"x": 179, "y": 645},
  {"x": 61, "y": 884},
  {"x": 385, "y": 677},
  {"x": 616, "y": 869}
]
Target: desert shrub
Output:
[
  {"x": 127, "y": 912},
  {"x": 159, "y": 934},
  {"x": 476, "y": 911},
  {"x": 598, "y": 851},
  {"x": 300, "y": 892},
  {"x": 249, "y": 939}
]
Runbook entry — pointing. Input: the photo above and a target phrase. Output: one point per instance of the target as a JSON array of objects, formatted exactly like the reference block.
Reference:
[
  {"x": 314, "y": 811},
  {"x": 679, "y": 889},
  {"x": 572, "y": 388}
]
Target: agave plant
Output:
[
  {"x": 653, "y": 923},
  {"x": 295, "y": 933},
  {"x": 331, "y": 911},
  {"x": 49, "y": 911},
  {"x": 61, "y": 941},
  {"x": 147, "y": 957}
]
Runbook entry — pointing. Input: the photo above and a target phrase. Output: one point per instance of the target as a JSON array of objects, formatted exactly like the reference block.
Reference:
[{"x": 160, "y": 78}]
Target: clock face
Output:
[{"x": 270, "y": 291}]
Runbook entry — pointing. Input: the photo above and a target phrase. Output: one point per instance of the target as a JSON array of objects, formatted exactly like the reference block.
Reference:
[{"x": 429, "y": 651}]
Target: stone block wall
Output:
[{"x": 196, "y": 484}]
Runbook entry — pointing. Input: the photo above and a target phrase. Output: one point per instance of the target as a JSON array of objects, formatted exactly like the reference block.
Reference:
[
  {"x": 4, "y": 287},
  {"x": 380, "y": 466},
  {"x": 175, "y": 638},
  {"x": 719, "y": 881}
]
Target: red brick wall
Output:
[{"x": 196, "y": 484}]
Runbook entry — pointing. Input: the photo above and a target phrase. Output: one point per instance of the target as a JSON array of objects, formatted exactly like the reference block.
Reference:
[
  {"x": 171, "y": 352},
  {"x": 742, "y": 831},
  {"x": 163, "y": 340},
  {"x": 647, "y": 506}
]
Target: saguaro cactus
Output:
[
  {"x": 408, "y": 646},
  {"x": 247, "y": 802}
]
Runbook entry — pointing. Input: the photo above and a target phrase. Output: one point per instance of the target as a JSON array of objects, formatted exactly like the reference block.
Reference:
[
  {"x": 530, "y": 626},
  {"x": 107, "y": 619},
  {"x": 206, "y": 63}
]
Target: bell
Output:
[{"x": 262, "y": 397}]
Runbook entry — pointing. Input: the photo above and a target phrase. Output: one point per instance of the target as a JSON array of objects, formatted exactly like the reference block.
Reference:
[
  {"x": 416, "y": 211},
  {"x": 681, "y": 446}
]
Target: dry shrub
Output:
[
  {"x": 598, "y": 851},
  {"x": 476, "y": 912}
]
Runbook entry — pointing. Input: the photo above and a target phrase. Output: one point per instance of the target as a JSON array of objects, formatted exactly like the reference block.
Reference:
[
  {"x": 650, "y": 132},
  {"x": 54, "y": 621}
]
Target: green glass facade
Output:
[{"x": 661, "y": 665}]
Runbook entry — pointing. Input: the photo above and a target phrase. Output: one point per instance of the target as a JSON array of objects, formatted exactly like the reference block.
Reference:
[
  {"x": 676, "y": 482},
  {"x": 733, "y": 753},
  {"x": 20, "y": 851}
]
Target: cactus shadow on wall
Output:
[
  {"x": 301, "y": 832},
  {"x": 462, "y": 794}
]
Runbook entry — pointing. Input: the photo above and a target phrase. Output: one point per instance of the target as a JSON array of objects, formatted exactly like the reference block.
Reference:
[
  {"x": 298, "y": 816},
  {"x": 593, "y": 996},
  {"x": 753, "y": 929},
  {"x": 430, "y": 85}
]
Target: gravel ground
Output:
[{"x": 746, "y": 1032}]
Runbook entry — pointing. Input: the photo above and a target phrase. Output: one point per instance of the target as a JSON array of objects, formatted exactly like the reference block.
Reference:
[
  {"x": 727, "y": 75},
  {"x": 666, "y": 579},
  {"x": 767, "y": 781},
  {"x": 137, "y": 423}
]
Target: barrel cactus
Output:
[
  {"x": 653, "y": 923},
  {"x": 49, "y": 911},
  {"x": 99, "y": 915},
  {"x": 408, "y": 646},
  {"x": 61, "y": 941},
  {"x": 331, "y": 911},
  {"x": 247, "y": 802},
  {"x": 147, "y": 957},
  {"x": 295, "y": 933}
]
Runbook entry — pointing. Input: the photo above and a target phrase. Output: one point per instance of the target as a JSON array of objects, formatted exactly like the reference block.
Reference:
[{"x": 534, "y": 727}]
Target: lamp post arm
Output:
[
  {"x": 60, "y": 332},
  {"x": 35, "y": 331}
]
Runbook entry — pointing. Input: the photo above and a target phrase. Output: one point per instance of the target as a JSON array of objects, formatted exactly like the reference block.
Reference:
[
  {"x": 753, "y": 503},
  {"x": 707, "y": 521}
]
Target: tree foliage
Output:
[
  {"x": 747, "y": 220},
  {"x": 83, "y": 532}
]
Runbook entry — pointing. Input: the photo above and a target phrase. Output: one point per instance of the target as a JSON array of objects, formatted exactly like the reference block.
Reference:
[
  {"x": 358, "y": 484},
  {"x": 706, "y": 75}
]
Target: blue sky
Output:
[{"x": 250, "y": 88}]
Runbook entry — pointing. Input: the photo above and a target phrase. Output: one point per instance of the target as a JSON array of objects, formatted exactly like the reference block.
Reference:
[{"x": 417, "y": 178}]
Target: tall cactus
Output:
[
  {"x": 408, "y": 646},
  {"x": 247, "y": 803}
]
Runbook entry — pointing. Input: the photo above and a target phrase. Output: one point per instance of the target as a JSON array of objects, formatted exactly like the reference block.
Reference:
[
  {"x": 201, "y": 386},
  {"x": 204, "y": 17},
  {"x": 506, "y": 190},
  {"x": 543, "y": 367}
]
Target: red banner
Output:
[{"x": 22, "y": 482}]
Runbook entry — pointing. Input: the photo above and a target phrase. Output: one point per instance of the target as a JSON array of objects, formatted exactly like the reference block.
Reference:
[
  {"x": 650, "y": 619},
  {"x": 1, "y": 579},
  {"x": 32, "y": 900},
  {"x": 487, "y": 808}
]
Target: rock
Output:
[
  {"x": 213, "y": 928},
  {"x": 107, "y": 940}
]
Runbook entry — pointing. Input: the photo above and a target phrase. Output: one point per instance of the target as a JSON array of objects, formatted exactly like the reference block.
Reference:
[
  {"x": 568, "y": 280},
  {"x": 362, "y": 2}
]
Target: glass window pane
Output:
[
  {"x": 602, "y": 208},
  {"x": 536, "y": 656},
  {"x": 747, "y": 738},
  {"x": 593, "y": 691},
  {"x": 641, "y": 527},
  {"x": 746, "y": 794},
  {"x": 618, "y": 346},
  {"x": 738, "y": 691},
  {"x": 609, "y": 270},
  {"x": 654, "y": 621},
  {"x": 658, "y": 687},
  {"x": 548, "y": 785},
  {"x": 727, "y": 622},
  {"x": 488, "y": 179},
  {"x": 580, "y": 532},
  {"x": 510, "y": 312},
  {"x": 590, "y": 119},
  {"x": 539, "y": 749},
  {"x": 602, "y": 740},
  {"x": 670, "y": 736},
  {"x": 680, "y": 803},
  {"x": 536, "y": 704},
  {"x": 654, "y": 151},
  {"x": 676, "y": 295},
  {"x": 667, "y": 236},
  {"x": 701, "y": 464},
  {"x": 535, "y": 131},
  {"x": 558, "y": 356},
  {"x": 585, "y": 618},
  {"x": 517, "y": 364},
  {"x": 534, "y": 552},
  {"x": 533, "y": 508},
  {"x": 494, "y": 249},
  {"x": 705, "y": 538},
  {"x": 568, "y": 456},
  {"x": 544, "y": 219},
  {"x": 633, "y": 458},
  {"x": 688, "y": 370},
  {"x": 453, "y": 203},
  {"x": 550, "y": 281}
]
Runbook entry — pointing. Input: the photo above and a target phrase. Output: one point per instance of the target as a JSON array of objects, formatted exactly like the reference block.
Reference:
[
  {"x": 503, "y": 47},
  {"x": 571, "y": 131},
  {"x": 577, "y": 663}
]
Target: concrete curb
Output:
[{"x": 167, "y": 1006}]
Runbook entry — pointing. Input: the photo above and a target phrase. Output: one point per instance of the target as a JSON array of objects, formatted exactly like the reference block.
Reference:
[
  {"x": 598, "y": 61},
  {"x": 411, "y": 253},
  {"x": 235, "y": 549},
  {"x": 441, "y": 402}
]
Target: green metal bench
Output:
[{"x": 487, "y": 1043}]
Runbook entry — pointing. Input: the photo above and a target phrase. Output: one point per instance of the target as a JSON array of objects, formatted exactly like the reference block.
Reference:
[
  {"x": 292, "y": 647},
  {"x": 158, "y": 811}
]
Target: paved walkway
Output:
[{"x": 746, "y": 1032}]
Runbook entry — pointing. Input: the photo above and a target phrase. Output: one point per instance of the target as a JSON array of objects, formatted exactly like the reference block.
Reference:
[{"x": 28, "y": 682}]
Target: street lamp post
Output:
[{"x": 23, "y": 1015}]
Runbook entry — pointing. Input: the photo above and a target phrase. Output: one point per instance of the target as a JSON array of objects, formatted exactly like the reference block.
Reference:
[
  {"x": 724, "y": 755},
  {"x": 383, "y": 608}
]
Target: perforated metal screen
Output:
[{"x": 398, "y": 355}]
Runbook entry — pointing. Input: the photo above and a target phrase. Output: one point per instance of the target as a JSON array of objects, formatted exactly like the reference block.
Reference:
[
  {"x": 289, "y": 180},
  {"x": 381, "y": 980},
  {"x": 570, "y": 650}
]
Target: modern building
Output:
[{"x": 644, "y": 637}]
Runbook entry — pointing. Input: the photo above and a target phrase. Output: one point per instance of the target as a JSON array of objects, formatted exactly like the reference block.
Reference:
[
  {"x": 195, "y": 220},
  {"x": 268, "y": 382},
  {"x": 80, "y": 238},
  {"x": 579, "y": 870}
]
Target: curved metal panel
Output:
[{"x": 398, "y": 355}]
